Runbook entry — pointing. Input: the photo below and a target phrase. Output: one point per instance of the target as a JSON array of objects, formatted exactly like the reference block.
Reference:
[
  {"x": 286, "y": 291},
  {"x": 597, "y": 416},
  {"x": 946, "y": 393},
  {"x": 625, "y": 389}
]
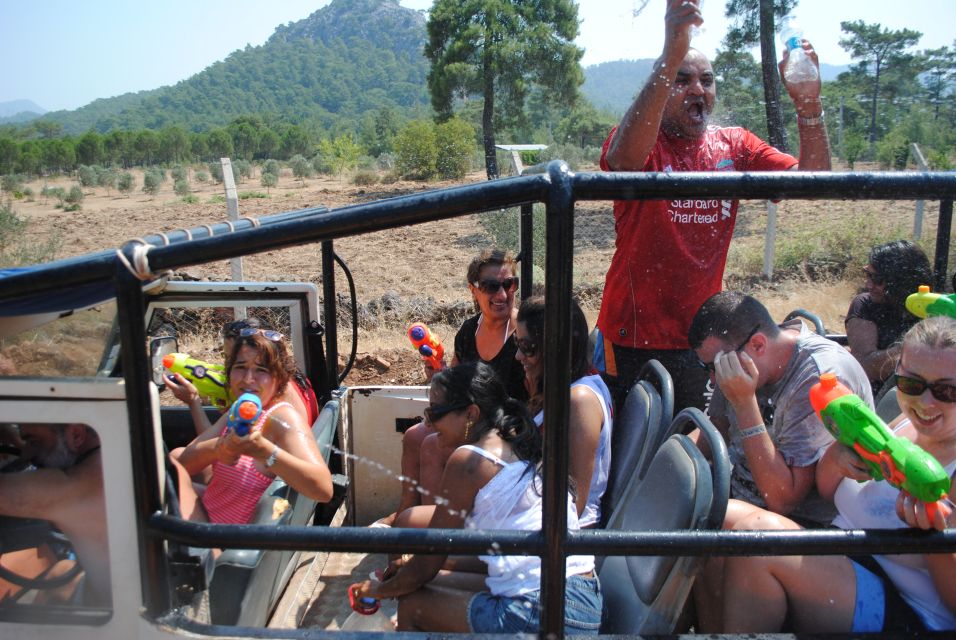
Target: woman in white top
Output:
[
  {"x": 491, "y": 481},
  {"x": 590, "y": 419},
  {"x": 892, "y": 593}
]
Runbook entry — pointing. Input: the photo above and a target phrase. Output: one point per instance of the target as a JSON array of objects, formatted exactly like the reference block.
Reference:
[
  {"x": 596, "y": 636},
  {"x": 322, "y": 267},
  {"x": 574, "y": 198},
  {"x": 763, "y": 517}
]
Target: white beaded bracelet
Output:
[
  {"x": 811, "y": 122},
  {"x": 752, "y": 431}
]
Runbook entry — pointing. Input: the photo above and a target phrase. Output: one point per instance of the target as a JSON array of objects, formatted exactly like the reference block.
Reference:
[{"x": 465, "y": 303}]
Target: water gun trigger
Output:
[{"x": 363, "y": 606}]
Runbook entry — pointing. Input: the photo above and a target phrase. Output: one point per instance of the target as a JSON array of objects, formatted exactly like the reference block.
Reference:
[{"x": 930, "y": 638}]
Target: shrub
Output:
[
  {"x": 893, "y": 150},
  {"x": 241, "y": 169},
  {"x": 365, "y": 178},
  {"x": 268, "y": 180},
  {"x": 178, "y": 173},
  {"x": 181, "y": 187},
  {"x": 202, "y": 176},
  {"x": 15, "y": 248},
  {"x": 151, "y": 182},
  {"x": 301, "y": 168},
  {"x": 87, "y": 176},
  {"x": 455, "y": 143},
  {"x": 215, "y": 170},
  {"x": 416, "y": 151},
  {"x": 504, "y": 228},
  {"x": 74, "y": 197},
  {"x": 125, "y": 183},
  {"x": 190, "y": 198},
  {"x": 11, "y": 182},
  {"x": 271, "y": 166},
  {"x": 247, "y": 195},
  {"x": 106, "y": 178}
]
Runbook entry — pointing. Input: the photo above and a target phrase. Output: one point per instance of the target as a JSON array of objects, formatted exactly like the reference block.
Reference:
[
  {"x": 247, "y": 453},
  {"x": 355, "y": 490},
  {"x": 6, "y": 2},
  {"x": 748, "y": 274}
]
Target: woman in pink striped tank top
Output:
[{"x": 280, "y": 443}]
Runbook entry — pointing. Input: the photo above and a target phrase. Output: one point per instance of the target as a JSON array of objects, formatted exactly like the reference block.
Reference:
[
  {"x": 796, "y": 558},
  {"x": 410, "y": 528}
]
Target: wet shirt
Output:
[
  {"x": 796, "y": 431},
  {"x": 670, "y": 254},
  {"x": 509, "y": 370}
]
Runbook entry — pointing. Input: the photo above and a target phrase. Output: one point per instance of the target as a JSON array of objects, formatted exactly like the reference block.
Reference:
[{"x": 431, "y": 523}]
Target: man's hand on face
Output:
[{"x": 736, "y": 375}]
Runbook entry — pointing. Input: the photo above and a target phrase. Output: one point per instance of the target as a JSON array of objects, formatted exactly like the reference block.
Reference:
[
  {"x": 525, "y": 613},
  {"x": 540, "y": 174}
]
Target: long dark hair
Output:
[
  {"x": 902, "y": 267},
  {"x": 531, "y": 315},
  {"x": 476, "y": 383}
]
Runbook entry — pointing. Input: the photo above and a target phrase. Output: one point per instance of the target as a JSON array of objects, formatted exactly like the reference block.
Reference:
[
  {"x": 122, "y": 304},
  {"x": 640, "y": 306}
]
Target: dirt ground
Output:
[{"x": 422, "y": 265}]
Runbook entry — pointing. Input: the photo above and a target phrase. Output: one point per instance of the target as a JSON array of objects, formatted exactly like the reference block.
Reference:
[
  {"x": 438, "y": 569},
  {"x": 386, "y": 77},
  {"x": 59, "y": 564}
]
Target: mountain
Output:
[
  {"x": 347, "y": 58},
  {"x": 612, "y": 86},
  {"x": 17, "y": 111}
]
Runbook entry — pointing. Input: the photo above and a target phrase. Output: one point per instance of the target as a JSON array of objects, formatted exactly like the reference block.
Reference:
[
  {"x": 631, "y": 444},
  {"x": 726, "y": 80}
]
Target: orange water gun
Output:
[{"x": 427, "y": 344}]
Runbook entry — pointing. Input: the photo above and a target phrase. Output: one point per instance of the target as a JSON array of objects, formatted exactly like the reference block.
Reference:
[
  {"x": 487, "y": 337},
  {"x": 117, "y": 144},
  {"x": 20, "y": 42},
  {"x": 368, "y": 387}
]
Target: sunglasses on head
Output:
[
  {"x": 268, "y": 334},
  {"x": 911, "y": 386},
  {"x": 491, "y": 286},
  {"x": 526, "y": 347},
  {"x": 435, "y": 413},
  {"x": 711, "y": 367}
]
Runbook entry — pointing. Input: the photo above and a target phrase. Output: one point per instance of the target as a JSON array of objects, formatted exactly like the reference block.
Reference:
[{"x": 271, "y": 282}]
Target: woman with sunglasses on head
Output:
[
  {"x": 298, "y": 393},
  {"x": 892, "y": 593},
  {"x": 877, "y": 318},
  {"x": 590, "y": 417},
  {"x": 486, "y": 337},
  {"x": 491, "y": 481},
  {"x": 280, "y": 443}
]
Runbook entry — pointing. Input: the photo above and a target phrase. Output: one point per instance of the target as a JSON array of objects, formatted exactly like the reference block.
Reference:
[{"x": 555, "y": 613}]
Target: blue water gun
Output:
[{"x": 243, "y": 414}]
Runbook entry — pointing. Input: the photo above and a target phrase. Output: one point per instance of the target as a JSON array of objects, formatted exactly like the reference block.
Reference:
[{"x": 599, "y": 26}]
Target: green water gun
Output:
[
  {"x": 899, "y": 461},
  {"x": 209, "y": 379},
  {"x": 924, "y": 304}
]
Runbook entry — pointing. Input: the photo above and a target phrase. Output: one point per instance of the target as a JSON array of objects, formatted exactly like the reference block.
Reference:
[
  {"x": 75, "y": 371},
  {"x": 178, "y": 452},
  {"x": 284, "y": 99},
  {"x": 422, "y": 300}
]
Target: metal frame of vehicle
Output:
[{"x": 558, "y": 188}]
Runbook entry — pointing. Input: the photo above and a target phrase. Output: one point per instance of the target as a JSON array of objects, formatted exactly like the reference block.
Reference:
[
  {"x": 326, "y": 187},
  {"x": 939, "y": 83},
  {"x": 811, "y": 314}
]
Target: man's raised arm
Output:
[
  {"x": 814, "y": 143},
  {"x": 637, "y": 132}
]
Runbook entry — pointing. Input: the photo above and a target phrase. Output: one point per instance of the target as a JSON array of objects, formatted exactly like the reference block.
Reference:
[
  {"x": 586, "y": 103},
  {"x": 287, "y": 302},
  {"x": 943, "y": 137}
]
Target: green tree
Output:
[
  {"x": 106, "y": 178},
  {"x": 498, "y": 49},
  {"x": 455, "y": 145},
  {"x": 416, "y": 150},
  {"x": 90, "y": 149},
  {"x": 220, "y": 144},
  {"x": 294, "y": 141},
  {"x": 146, "y": 145},
  {"x": 125, "y": 183},
  {"x": 875, "y": 48},
  {"x": 268, "y": 180},
  {"x": 753, "y": 23},
  {"x": 941, "y": 75},
  {"x": 173, "y": 144},
  {"x": 245, "y": 139},
  {"x": 9, "y": 154},
  {"x": 151, "y": 182},
  {"x": 301, "y": 168},
  {"x": 268, "y": 143},
  {"x": 86, "y": 175}
]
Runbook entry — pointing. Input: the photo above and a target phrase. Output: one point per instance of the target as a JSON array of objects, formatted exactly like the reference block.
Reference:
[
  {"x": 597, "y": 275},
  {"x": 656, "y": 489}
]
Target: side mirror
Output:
[{"x": 159, "y": 347}]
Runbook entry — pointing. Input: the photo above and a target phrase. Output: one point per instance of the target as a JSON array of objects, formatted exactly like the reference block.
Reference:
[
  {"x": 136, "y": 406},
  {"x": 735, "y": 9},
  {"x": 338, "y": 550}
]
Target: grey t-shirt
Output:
[{"x": 794, "y": 428}]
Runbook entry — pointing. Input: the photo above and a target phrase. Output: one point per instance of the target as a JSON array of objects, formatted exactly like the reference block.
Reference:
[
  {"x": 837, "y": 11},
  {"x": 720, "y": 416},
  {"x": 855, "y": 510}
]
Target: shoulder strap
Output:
[{"x": 484, "y": 454}]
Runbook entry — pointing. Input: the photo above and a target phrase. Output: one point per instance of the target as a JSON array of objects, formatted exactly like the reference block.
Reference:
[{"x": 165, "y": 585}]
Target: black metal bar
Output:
[
  {"x": 137, "y": 375},
  {"x": 526, "y": 230},
  {"x": 593, "y": 541},
  {"x": 557, "y": 380},
  {"x": 329, "y": 313},
  {"x": 770, "y": 185},
  {"x": 943, "y": 229}
]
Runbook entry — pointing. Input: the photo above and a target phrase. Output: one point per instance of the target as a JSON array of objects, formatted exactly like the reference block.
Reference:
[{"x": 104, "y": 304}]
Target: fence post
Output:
[
  {"x": 232, "y": 213},
  {"x": 770, "y": 240},
  {"x": 918, "y": 216},
  {"x": 232, "y": 210}
]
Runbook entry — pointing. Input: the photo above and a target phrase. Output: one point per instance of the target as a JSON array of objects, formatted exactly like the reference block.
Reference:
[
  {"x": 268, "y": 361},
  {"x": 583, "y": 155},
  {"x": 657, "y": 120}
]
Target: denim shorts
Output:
[{"x": 489, "y": 613}]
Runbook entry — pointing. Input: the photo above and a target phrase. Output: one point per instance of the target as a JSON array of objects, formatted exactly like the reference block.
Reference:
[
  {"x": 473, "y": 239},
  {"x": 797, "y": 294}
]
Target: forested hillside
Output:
[{"x": 350, "y": 57}]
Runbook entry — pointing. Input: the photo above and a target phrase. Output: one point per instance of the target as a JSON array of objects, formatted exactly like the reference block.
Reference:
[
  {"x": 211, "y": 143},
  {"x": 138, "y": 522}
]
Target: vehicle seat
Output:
[
  {"x": 639, "y": 431},
  {"x": 246, "y": 582},
  {"x": 679, "y": 491},
  {"x": 888, "y": 406}
]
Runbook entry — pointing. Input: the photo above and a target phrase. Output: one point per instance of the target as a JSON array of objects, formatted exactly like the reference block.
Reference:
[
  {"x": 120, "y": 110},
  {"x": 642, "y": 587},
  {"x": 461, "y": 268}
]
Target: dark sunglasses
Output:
[
  {"x": 915, "y": 387},
  {"x": 491, "y": 286},
  {"x": 525, "y": 346},
  {"x": 709, "y": 366},
  {"x": 434, "y": 414},
  {"x": 268, "y": 334}
]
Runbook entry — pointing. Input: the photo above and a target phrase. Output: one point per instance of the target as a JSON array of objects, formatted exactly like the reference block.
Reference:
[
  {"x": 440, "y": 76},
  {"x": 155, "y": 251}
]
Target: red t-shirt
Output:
[{"x": 670, "y": 254}]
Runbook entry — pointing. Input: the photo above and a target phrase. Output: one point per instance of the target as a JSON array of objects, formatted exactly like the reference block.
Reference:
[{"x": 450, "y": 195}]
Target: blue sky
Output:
[{"x": 64, "y": 54}]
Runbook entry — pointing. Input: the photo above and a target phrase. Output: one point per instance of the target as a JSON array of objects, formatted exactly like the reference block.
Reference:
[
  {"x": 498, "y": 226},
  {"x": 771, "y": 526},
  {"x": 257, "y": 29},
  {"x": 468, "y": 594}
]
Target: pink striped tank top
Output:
[{"x": 234, "y": 490}]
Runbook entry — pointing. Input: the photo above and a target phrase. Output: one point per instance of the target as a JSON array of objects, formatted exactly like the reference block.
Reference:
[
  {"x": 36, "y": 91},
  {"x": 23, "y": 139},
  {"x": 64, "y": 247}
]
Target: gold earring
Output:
[{"x": 468, "y": 429}]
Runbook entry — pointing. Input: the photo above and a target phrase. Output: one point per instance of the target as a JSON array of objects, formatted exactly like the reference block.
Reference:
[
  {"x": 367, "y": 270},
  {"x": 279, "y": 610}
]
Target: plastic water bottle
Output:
[
  {"x": 799, "y": 67},
  {"x": 378, "y": 621}
]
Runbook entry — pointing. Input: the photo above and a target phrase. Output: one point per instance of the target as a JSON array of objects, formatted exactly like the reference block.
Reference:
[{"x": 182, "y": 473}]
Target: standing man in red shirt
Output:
[{"x": 670, "y": 255}]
